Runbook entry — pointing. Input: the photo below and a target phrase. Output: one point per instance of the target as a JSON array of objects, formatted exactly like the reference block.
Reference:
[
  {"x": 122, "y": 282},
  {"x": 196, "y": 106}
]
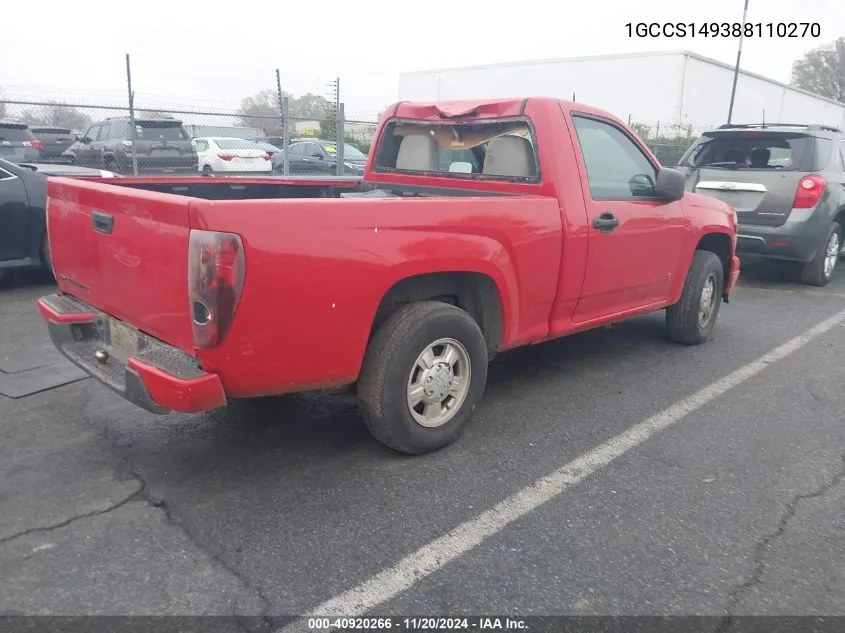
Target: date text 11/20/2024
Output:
[
  {"x": 417, "y": 624},
  {"x": 724, "y": 29}
]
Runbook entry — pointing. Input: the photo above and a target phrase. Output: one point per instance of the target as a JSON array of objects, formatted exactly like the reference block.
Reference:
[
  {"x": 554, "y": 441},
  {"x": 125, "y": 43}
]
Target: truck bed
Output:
[{"x": 245, "y": 188}]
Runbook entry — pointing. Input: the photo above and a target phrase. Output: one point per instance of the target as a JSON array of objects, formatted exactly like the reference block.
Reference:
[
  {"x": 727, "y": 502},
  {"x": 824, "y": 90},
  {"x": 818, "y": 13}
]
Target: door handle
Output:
[
  {"x": 103, "y": 222},
  {"x": 605, "y": 223}
]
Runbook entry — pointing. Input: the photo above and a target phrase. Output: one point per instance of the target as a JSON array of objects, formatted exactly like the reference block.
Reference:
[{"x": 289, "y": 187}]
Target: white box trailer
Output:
[{"x": 667, "y": 87}]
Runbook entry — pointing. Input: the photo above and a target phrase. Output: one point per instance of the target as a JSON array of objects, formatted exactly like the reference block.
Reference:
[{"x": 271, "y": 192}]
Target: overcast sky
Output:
[{"x": 212, "y": 54}]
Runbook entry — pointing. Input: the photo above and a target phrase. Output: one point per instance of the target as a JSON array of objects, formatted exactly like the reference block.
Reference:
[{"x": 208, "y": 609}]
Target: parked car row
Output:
[
  {"x": 164, "y": 146},
  {"x": 20, "y": 143}
]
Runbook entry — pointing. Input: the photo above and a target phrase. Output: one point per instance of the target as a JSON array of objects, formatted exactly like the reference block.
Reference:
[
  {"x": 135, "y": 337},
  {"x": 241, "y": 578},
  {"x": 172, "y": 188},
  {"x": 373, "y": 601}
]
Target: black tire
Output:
[
  {"x": 683, "y": 319},
  {"x": 813, "y": 272},
  {"x": 388, "y": 365},
  {"x": 112, "y": 166},
  {"x": 207, "y": 170},
  {"x": 46, "y": 259}
]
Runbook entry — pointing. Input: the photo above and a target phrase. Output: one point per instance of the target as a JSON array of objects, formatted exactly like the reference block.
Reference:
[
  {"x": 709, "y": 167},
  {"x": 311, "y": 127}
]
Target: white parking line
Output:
[{"x": 438, "y": 553}]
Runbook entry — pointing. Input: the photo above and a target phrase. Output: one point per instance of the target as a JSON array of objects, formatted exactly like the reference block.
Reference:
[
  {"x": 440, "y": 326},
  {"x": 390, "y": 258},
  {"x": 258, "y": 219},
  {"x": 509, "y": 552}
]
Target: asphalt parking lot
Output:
[{"x": 672, "y": 480}]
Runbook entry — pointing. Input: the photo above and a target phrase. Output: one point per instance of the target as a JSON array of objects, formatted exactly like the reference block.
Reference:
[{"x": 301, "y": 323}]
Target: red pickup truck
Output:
[{"x": 482, "y": 226}]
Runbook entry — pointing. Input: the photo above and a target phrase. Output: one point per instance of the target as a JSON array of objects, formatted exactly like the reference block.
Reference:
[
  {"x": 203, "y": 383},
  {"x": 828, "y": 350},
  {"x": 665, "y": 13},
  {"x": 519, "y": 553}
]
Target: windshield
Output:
[
  {"x": 480, "y": 149},
  {"x": 749, "y": 150}
]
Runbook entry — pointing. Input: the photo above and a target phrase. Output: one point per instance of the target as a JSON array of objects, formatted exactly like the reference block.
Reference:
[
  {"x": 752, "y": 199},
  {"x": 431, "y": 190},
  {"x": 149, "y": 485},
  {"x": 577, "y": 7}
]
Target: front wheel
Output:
[
  {"x": 691, "y": 319},
  {"x": 424, "y": 373}
]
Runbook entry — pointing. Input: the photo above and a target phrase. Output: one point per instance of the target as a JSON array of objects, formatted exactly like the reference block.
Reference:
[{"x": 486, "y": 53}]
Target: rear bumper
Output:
[
  {"x": 797, "y": 239},
  {"x": 155, "y": 376}
]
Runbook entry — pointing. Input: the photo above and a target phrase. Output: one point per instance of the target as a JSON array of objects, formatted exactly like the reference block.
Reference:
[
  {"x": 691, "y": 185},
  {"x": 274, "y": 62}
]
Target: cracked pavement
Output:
[{"x": 270, "y": 507}]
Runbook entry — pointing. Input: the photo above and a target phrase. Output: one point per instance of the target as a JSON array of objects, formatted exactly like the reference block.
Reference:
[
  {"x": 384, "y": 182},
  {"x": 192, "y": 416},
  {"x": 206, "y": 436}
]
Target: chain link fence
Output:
[
  {"x": 272, "y": 134},
  {"x": 167, "y": 142},
  {"x": 668, "y": 140}
]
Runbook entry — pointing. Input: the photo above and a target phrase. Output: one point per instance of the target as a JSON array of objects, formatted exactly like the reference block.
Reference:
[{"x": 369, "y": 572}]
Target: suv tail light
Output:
[
  {"x": 226, "y": 156},
  {"x": 215, "y": 282},
  {"x": 810, "y": 190},
  {"x": 127, "y": 147},
  {"x": 34, "y": 143}
]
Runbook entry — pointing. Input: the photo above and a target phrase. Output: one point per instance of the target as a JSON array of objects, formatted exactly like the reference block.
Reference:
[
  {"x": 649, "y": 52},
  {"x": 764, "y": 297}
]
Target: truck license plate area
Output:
[{"x": 123, "y": 339}]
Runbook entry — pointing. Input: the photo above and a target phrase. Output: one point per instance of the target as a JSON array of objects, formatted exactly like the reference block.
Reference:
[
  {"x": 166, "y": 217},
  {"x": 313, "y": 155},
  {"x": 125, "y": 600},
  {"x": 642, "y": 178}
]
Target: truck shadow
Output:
[
  {"x": 28, "y": 278},
  {"x": 316, "y": 427}
]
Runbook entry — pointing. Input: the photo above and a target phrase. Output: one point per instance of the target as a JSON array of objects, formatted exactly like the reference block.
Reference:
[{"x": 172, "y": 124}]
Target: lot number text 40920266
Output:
[{"x": 723, "y": 29}]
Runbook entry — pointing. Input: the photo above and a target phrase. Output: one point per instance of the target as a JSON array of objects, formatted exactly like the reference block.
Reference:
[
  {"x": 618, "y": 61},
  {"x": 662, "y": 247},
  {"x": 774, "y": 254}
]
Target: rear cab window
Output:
[
  {"x": 487, "y": 149},
  {"x": 758, "y": 149}
]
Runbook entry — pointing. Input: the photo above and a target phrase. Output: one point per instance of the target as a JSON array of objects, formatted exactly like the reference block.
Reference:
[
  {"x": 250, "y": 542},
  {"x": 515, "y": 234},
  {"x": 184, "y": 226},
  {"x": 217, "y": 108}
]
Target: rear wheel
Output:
[
  {"x": 819, "y": 271},
  {"x": 207, "y": 170},
  {"x": 691, "y": 320},
  {"x": 423, "y": 375},
  {"x": 112, "y": 166}
]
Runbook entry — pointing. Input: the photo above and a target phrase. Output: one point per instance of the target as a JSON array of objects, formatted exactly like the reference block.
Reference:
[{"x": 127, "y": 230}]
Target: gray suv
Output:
[{"x": 786, "y": 183}]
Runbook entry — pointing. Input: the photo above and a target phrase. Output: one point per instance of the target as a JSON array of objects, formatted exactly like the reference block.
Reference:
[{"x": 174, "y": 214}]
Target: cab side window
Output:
[
  {"x": 616, "y": 167},
  {"x": 93, "y": 133}
]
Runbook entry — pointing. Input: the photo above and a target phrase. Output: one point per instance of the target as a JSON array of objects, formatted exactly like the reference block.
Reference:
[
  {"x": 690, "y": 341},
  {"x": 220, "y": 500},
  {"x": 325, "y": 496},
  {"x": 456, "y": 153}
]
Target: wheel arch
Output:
[{"x": 475, "y": 292}]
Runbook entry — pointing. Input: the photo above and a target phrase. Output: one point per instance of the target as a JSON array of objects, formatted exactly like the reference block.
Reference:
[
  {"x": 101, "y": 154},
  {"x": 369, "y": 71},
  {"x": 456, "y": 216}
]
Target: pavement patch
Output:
[
  {"x": 38, "y": 357},
  {"x": 26, "y": 383}
]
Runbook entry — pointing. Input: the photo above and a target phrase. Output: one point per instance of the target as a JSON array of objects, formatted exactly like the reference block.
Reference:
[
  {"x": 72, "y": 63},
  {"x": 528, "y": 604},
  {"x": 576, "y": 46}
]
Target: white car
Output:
[{"x": 225, "y": 154}]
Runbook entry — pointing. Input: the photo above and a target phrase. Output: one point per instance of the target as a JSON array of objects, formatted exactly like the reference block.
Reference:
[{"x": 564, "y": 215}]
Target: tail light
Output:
[
  {"x": 215, "y": 282},
  {"x": 809, "y": 192},
  {"x": 34, "y": 143},
  {"x": 225, "y": 156},
  {"x": 127, "y": 147},
  {"x": 266, "y": 156}
]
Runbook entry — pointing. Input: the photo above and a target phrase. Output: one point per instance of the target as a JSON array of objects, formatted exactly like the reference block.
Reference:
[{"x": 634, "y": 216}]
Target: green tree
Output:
[
  {"x": 262, "y": 110},
  {"x": 822, "y": 71}
]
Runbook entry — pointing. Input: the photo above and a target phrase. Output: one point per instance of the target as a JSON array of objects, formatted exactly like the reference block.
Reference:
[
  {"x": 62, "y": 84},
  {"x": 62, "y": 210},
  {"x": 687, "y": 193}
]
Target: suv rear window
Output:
[
  {"x": 14, "y": 132},
  {"x": 151, "y": 131},
  {"x": 459, "y": 150},
  {"x": 752, "y": 149}
]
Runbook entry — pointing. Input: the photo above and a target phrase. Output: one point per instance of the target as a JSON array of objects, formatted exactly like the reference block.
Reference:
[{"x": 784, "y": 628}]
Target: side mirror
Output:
[
  {"x": 670, "y": 185},
  {"x": 85, "y": 140},
  {"x": 641, "y": 185},
  {"x": 318, "y": 155}
]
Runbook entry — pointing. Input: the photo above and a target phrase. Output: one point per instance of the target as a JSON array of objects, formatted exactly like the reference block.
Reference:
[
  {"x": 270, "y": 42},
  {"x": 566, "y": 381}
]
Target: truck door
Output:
[{"x": 635, "y": 241}]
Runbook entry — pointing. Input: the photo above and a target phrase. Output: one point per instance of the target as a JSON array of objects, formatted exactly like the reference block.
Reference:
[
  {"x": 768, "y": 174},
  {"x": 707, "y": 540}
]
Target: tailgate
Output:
[
  {"x": 124, "y": 251},
  {"x": 759, "y": 197}
]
